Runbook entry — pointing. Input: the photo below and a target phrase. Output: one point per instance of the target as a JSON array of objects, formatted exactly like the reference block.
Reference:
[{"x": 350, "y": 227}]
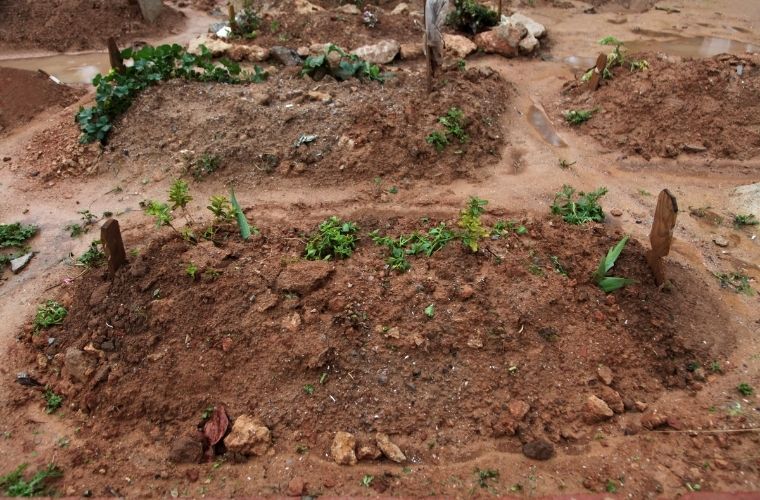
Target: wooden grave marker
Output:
[
  {"x": 113, "y": 245},
  {"x": 661, "y": 235}
]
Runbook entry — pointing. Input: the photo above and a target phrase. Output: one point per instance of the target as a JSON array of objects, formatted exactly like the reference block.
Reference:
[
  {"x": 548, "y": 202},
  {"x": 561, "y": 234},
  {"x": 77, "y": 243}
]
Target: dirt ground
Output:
[
  {"x": 27, "y": 93},
  {"x": 502, "y": 368},
  {"x": 71, "y": 25}
]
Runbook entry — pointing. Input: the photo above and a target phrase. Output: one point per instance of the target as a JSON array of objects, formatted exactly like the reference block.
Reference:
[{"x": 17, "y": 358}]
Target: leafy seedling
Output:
[
  {"x": 242, "y": 222},
  {"x": 16, "y": 234},
  {"x": 471, "y": 16},
  {"x": 736, "y": 281},
  {"x": 221, "y": 208},
  {"x": 49, "y": 314},
  {"x": 745, "y": 389},
  {"x": 334, "y": 239},
  {"x": 205, "y": 165},
  {"x": 454, "y": 124},
  {"x": 578, "y": 116},
  {"x": 472, "y": 227},
  {"x": 741, "y": 220},
  {"x": 611, "y": 283},
  {"x": 191, "y": 270},
  {"x": 578, "y": 208},
  {"x": 308, "y": 389},
  {"x": 367, "y": 480},
  {"x": 611, "y": 486},
  {"x": 715, "y": 367},
  {"x": 160, "y": 212},
  {"x": 430, "y": 311},
  {"x": 484, "y": 475},
  {"x": 179, "y": 194},
  {"x": 93, "y": 257},
  {"x": 14, "y": 484},
  {"x": 53, "y": 401},
  {"x": 438, "y": 140}
]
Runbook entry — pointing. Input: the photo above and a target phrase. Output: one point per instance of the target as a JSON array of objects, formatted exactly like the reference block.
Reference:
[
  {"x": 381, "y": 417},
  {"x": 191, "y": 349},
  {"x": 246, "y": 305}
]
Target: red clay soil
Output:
[
  {"x": 27, "y": 93},
  {"x": 692, "y": 106},
  {"x": 509, "y": 356},
  {"x": 366, "y": 130},
  {"x": 68, "y": 25}
]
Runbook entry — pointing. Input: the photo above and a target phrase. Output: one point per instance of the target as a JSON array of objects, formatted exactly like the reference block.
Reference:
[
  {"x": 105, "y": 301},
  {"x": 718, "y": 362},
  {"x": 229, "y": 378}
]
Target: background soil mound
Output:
[
  {"x": 363, "y": 130},
  {"x": 63, "y": 25},
  {"x": 623, "y": 5},
  {"x": 512, "y": 347},
  {"x": 709, "y": 106},
  {"x": 27, "y": 93}
]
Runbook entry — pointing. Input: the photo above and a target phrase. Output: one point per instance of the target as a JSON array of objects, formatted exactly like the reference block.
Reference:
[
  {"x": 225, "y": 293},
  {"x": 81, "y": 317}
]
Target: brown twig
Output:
[{"x": 70, "y": 279}]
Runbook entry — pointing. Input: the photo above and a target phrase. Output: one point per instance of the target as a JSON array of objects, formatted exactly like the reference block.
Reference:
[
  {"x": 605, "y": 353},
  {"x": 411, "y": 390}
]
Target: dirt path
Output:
[{"x": 524, "y": 181}]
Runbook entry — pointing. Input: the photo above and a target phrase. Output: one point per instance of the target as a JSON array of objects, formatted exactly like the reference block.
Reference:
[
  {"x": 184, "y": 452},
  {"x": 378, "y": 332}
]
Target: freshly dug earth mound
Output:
[
  {"x": 65, "y": 25},
  {"x": 694, "y": 106},
  {"x": 509, "y": 354},
  {"x": 26, "y": 93},
  {"x": 363, "y": 130}
]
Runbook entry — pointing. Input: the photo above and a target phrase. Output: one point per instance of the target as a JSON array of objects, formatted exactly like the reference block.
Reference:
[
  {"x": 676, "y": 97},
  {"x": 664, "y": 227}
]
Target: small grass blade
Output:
[{"x": 245, "y": 228}]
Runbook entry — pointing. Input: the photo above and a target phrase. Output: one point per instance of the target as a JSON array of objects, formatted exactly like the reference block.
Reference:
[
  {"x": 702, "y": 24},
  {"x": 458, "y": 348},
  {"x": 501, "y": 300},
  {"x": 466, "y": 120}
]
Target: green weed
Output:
[
  {"x": 350, "y": 66},
  {"x": 308, "y": 389},
  {"x": 221, "y": 209},
  {"x": 53, "y": 401},
  {"x": 16, "y": 234},
  {"x": 715, "y": 367},
  {"x": 334, "y": 239},
  {"x": 179, "y": 194},
  {"x": 14, "y": 484},
  {"x": 578, "y": 116},
  {"x": 160, "y": 212},
  {"x": 430, "y": 311},
  {"x": 736, "y": 281},
  {"x": 94, "y": 256},
  {"x": 49, "y": 314},
  {"x": 611, "y": 283},
  {"x": 470, "y": 16},
  {"x": 454, "y": 124},
  {"x": 367, "y": 480},
  {"x": 205, "y": 165},
  {"x": 610, "y": 486},
  {"x": 745, "y": 389},
  {"x": 484, "y": 475},
  {"x": 438, "y": 140},
  {"x": 578, "y": 209},
  {"x": 745, "y": 220},
  {"x": 472, "y": 227},
  {"x": 191, "y": 270}
]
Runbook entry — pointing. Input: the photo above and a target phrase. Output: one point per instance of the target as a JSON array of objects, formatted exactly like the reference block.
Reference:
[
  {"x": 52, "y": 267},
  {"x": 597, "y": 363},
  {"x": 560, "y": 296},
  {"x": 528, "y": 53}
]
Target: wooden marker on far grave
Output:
[
  {"x": 597, "y": 72},
  {"x": 110, "y": 235},
  {"x": 661, "y": 235}
]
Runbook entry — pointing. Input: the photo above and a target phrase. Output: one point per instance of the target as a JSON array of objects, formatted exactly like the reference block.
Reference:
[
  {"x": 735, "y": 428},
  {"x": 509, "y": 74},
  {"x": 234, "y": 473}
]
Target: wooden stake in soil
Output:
[
  {"x": 661, "y": 235},
  {"x": 113, "y": 245},
  {"x": 598, "y": 72},
  {"x": 114, "y": 54},
  {"x": 232, "y": 18},
  {"x": 433, "y": 17}
]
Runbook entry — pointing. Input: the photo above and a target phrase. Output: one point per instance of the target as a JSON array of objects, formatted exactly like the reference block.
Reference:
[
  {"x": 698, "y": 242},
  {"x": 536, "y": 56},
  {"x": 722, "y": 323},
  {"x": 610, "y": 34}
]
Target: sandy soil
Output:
[{"x": 115, "y": 459}]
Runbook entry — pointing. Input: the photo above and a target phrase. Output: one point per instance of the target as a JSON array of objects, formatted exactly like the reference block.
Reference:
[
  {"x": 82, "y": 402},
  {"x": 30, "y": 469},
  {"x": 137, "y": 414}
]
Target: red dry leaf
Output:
[{"x": 216, "y": 426}]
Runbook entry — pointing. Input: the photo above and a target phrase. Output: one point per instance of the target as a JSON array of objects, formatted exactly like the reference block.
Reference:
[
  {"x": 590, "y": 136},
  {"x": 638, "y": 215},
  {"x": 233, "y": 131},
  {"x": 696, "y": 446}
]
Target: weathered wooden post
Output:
[
  {"x": 598, "y": 72},
  {"x": 113, "y": 245},
  {"x": 661, "y": 235},
  {"x": 151, "y": 9},
  {"x": 114, "y": 54}
]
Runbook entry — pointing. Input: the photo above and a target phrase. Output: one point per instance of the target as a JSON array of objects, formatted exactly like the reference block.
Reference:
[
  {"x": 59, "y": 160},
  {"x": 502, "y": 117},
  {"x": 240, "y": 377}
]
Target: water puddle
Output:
[
  {"x": 696, "y": 47},
  {"x": 543, "y": 126},
  {"x": 69, "y": 68},
  {"x": 580, "y": 62}
]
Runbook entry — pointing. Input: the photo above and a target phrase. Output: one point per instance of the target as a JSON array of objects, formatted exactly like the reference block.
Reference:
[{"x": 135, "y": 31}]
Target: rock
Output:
[
  {"x": 248, "y": 437},
  {"x": 382, "y": 52},
  {"x": 518, "y": 409},
  {"x": 652, "y": 419},
  {"x": 368, "y": 451},
  {"x": 640, "y": 406},
  {"x": 506, "y": 425},
  {"x": 99, "y": 294},
  {"x": 304, "y": 277},
  {"x": 389, "y": 449},
  {"x": 596, "y": 410},
  {"x": 746, "y": 199},
  {"x": 252, "y": 53},
  {"x": 342, "y": 449},
  {"x": 538, "y": 450},
  {"x": 409, "y": 51},
  {"x": 694, "y": 148},
  {"x": 216, "y": 47},
  {"x": 529, "y": 44},
  {"x": 20, "y": 263},
  {"x": 605, "y": 374},
  {"x": 504, "y": 39},
  {"x": 285, "y": 56},
  {"x": 292, "y": 322},
  {"x": 296, "y": 487},
  {"x": 459, "y": 45},
  {"x": 720, "y": 241},
  {"x": 400, "y": 9},
  {"x": 314, "y": 95},
  {"x": 616, "y": 212},
  {"x": 466, "y": 292},
  {"x": 612, "y": 398},
  {"x": 303, "y": 51},
  {"x": 534, "y": 28},
  {"x": 349, "y": 8},
  {"x": 306, "y": 7},
  {"x": 79, "y": 364},
  {"x": 186, "y": 450}
]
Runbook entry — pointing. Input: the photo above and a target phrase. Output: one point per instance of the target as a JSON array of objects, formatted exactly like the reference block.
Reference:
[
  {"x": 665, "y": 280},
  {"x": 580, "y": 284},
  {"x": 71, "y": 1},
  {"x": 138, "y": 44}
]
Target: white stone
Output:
[
  {"x": 534, "y": 28},
  {"x": 380, "y": 53},
  {"x": 459, "y": 45},
  {"x": 216, "y": 47}
]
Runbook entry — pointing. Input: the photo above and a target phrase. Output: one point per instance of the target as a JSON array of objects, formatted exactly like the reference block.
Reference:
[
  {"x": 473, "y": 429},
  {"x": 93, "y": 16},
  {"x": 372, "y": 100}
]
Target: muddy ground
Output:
[{"x": 513, "y": 349}]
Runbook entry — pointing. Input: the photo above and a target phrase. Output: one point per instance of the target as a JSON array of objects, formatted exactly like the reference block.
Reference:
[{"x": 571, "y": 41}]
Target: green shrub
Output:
[
  {"x": 334, "y": 239},
  {"x": 578, "y": 208},
  {"x": 471, "y": 17}
]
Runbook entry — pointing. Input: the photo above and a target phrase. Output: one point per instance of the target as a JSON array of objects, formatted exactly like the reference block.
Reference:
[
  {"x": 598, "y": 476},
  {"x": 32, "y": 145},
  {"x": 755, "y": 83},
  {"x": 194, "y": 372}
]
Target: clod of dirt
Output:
[
  {"x": 612, "y": 398},
  {"x": 720, "y": 241},
  {"x": 304, "y": 277},
  {"x": 296, "y": 487},
  {"x": 186, "y": 450},
  {"x": 605, "y": 374},
  {"x": 538, "y": 450},
  {"x": 389, "y": 449},
  {"x": 368, "y": 451},
  {"x": 79, "y": 364},
  {"x": 342, "y": 449},
  {"x": 653, "y": 419},
  {"x": 596, "y": 410},
  {"x": 248, "y": 437},
  {"x": 518, "y": 409}
]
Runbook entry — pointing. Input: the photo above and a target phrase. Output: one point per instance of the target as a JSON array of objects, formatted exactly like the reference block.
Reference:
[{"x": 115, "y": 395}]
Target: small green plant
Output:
[
  {"x": 94, "y": 256},
  {"x": 611, "y": 486},
  {"x": 160, "y": 212},
  {"x": 191, "y": 270},
  {"x": 611, "y": 283},
  {"x": 461, "y": 64},
  {"x": 49, "y": 314},
  {"x": 578, "y": 208},
  {"x": 53, "y": 401},
  {"x": 693, "y": 486},
  {"x": 430, "y": 311},
  {"x": 179, "y": 195},
  {"x": 484, "y": 475},
  {"x": 472, "y": 227},
  {"x": 715, "y": 367},
  {"x": 617, "y": 57},
  {"x": 205, "y": 165},
  {"x": 578, "y": 116},
  {"x": 335, "y": 239},
  {"x": 453, "y": 121},
  {"x": 16, "y": 234},
  {"x": 206, "y": 413},
  {"x": 745, "y": 220},
  {"x": 557, "y": 265},
  {"x": 308, "y": 389},
  {"x": 221, "y": 208},
  {"x": 438, "y": 140},
  {"x": 745, "y": 389},
  {"x": 413, "y": 244},
  {"x": 472, "y": 17},
  {"x": 350, "y": 66},
  {"x": 74, "y": 230},
  {"x": 242, "y": 221},
  {"x": 736, "y": 281},
  {"x": 367, "y": 480},
  {"x": 14, "y": 484},
  {"x": 504, "y": 228},
  {"x": 302, "y": 449}
]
